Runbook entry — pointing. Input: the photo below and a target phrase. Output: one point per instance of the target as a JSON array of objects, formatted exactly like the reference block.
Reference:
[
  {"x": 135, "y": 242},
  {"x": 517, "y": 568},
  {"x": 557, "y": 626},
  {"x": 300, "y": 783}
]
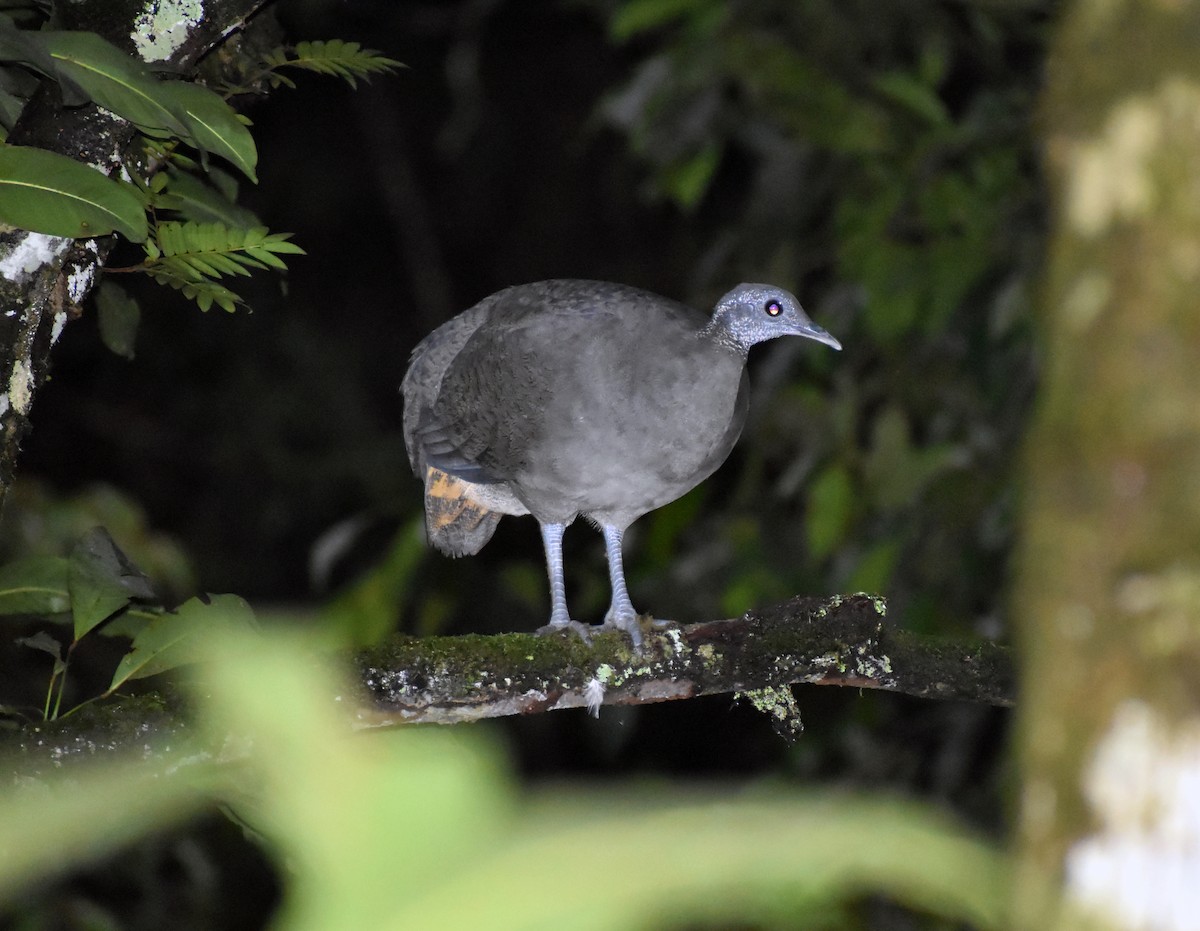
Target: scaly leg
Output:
[
  {"x": 560, "y": 618},
  {"x": 621, "y": 613}
]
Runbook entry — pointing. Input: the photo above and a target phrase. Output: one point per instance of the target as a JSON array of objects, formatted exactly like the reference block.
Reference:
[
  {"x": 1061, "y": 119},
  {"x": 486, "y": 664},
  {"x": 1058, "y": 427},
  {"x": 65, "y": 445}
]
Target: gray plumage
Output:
[{"x": 567, "y": 398}]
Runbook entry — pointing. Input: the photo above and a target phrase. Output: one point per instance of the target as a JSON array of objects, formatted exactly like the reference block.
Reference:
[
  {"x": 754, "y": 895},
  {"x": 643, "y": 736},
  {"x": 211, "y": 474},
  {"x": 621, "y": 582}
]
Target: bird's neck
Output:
[{"x": 716, "y": 331}]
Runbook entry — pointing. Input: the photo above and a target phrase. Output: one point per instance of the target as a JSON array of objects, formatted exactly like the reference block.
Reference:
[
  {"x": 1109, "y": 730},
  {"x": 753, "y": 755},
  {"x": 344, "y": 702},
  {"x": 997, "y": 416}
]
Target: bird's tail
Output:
[{"x": 456, "y": 523}]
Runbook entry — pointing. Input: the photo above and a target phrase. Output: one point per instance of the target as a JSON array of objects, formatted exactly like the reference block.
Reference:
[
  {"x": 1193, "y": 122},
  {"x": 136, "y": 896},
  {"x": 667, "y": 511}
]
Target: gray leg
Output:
[
  {"x": 560, "y": 618},
  {"x": 552, "y": 535},
  {"x": 621, "y": 613}
]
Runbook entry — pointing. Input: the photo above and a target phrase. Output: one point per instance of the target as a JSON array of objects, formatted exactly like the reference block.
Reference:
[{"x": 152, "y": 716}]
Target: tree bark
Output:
[
  {"x": 1109, "y": 571},
  {"x": 844, "y": 640},
  {"x": 841, "y": 641},
  {"x": 44, "y": 279}
]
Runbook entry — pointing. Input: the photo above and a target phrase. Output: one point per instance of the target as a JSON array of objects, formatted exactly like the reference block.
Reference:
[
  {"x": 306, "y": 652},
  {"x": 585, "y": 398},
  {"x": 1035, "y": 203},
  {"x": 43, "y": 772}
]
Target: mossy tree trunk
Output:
[{"x": 1108, "y": 594}]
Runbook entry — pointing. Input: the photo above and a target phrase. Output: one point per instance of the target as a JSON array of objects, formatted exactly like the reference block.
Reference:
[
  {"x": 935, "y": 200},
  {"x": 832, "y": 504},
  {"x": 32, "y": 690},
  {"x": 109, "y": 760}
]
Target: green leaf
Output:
[
  {"x": 202, "y": 200},
  {"x": 44, "y": 643},
  {"x": 50, "y": 193},
  {"x": 119, "y": 316},
  {"x": 918, "y": 98},
  {"x": 204, "y": 293},
  {"x": 896, "y": 470},
  {"x": 37, "y": 585},
  {"x": 189, "y": 253},
  {"x": 115, "y": 80},
  {"x": 182, "y": 636},
  {"x": 687, "y": 182},
  {"x": 875, "y": 568},
  {"x": 214, "y": 124},
  {"x": 365, "y": 612},
  {"x": 830, "y": 509},
  {"x": 130, "y": 622},
  {"x": 25, "y": 46},
  {"x": 19, "y": 45},
  {"x": 10, "y": 111},
  {"x": 101, "y": 580},
  {"x": 638, "y": 16},
  {"x": 78, "y": 815},
  {"x": 346, "y": 60}
]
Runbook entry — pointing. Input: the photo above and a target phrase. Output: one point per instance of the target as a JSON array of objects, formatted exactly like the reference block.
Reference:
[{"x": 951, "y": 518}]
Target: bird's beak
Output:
[{"x": 812, "y": 331}]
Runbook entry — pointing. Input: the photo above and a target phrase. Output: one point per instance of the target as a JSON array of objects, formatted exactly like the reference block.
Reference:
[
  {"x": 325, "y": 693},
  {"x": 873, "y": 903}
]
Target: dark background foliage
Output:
[{"x": 877, "y": 159}]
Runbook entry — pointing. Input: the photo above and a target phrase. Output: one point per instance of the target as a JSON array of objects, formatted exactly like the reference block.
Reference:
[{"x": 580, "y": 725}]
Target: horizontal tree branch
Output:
[{"x": 845, "y": 640}]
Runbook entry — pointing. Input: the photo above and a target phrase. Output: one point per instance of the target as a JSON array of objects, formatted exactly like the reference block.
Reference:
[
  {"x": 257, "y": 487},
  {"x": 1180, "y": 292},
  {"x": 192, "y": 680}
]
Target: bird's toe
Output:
[
  {"x": 629, "y": 622},
  {"x": 578, "y": 628}
]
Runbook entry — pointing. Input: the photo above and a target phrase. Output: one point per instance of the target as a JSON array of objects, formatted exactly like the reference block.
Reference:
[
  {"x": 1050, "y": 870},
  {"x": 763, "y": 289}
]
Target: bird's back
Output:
[{"x": 578, "y": 397}]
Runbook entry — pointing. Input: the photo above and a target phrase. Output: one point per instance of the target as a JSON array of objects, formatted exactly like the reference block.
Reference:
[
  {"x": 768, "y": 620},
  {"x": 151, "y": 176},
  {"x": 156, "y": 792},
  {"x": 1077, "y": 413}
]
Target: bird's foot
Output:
[
  {"x": 578, "y": 628},
  {"x": 630, "y": 623}
]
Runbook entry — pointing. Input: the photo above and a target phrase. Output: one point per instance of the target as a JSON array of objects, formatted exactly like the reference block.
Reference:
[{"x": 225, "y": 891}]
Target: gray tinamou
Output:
[{"x": 562, "y": 398}]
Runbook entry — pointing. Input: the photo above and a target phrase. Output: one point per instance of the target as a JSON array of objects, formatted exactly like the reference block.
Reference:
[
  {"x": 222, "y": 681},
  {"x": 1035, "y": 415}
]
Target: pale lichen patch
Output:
[
  {"x": 30, "y": 253},
  {"x": 1165, "y": 606},
  {"x": 1084, "y": 301},
  {"x": 870, "y": 666},
  {"x": 60, "y": 321},
  {"x": 779, "y": 704},
  {"x": 79, "y": 281},
  {"x": 1138, "y": 867},
  {"x": 163, "y": 26},
  {"x": 678, "y": 646},
  {"x": 20, "y": 387},
  {"x": 1075, "y": 621},
  {"x": 1111, "y": 176},
  {"x": 1039, "y": 802}
]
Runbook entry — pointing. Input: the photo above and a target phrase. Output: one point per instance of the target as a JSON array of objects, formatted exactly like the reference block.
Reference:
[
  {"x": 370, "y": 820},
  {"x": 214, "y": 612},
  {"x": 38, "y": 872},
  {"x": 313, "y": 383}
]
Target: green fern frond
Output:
[
  {"x": 189, "y": 256},
  {"x": 213, "y": 250},
  {"x": 335, "y": 57},
  {"x": 204, "y": 292}
]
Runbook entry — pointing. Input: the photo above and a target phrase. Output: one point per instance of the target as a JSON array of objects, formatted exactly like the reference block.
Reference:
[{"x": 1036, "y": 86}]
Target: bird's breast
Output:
[{"x": 634, "y": 431}]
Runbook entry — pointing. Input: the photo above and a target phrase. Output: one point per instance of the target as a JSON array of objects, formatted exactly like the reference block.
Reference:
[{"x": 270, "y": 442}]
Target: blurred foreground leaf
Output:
[
  {"x": 36, "y": 585},
  {"x": 366, "y": 611},
  {"x": 48, "y": 827},
  {"x": 424, "y": 828},
  {"x": 119, "y": 316}
]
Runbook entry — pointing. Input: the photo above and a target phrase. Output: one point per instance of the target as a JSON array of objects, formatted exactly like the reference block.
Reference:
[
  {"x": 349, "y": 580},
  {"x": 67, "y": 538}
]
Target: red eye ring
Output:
[{"x": 773, "y": 308}]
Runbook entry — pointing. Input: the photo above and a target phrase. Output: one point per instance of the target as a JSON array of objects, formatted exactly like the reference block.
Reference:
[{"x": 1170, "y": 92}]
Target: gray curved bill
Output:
[{"x": 812, "y": 331}]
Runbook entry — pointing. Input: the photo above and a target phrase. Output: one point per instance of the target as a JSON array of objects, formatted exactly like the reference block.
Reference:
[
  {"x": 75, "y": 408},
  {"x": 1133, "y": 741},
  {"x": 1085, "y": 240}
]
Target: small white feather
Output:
[{"x": 593, "y": 694}]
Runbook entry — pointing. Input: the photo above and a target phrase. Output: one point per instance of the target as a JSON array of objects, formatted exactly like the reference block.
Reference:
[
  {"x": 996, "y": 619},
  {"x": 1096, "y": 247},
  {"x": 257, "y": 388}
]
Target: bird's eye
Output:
[{"x": 773, "y": 308}]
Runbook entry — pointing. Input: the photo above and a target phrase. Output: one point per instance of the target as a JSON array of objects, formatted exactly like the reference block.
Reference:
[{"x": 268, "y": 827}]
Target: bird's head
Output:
[{"x": 752, "y": 313}]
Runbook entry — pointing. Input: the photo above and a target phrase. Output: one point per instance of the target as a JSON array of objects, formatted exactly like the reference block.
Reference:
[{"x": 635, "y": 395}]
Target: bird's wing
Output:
[
  {"x": 423, "y": 380},
  {"x": 494, "y": 391}
]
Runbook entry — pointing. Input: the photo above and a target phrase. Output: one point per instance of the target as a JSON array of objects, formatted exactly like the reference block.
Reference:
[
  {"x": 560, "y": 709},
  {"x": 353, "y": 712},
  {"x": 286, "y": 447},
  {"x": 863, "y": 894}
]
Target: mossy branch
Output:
[{"x": 844, "y": 640}]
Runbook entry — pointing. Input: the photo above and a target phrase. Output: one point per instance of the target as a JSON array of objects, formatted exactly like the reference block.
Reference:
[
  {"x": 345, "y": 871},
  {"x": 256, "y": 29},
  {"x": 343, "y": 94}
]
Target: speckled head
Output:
[{"x": 753, "y": 313}]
